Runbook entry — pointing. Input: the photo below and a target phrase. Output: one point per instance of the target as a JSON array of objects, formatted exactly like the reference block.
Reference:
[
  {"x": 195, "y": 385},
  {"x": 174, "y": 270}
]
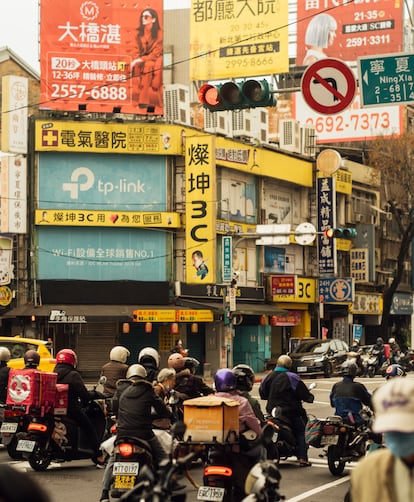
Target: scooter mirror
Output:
[
  {"x": 312, "y": 386},
  {"x": 102, "y": 380}
]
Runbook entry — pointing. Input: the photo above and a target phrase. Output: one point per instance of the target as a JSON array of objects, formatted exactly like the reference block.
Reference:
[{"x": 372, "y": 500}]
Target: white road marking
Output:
[{"x": 319, "y": 489}]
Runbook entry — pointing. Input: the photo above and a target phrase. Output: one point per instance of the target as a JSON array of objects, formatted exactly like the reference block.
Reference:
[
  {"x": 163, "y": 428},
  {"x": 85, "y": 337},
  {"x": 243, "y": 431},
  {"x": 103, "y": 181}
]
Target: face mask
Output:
[{"x": 401, "y": 444}]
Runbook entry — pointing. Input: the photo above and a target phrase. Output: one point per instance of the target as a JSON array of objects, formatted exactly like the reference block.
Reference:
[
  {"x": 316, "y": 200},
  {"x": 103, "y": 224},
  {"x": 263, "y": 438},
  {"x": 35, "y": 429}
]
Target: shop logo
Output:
[{"x": 82, "y": 179}]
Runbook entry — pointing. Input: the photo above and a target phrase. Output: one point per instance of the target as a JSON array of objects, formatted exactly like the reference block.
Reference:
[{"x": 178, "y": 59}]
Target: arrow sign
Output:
[{"x": 328, "y": 86}]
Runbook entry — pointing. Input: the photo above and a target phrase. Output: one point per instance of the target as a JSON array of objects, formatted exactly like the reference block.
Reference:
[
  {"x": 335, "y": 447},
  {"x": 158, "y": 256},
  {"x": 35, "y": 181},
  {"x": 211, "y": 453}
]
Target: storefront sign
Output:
[
  {"x": 60, "y": 316},
  {"x": 339, "y": 290},
  {"x": 359, "y": 264},
  {"x": 369, "y": 304},
  {"x": 283, "y": 284},
  {"x": 293, "y": 318},
  {"x": 305, "y": 292},
  {"x": 402, "y": 304},
  {"x": 172, "y": 315},
  {"x": 326, "y": 206}
]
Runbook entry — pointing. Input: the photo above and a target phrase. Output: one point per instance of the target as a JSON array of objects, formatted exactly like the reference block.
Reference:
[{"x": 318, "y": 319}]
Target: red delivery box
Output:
[
  {"x": 32, "y": 388},
  {"x": 61, "y": 399}
]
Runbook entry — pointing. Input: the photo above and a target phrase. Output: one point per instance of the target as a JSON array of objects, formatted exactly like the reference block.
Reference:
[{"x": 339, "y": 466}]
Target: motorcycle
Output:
[
  {"x": 59, "y": 438},
  {"x": 15, "y": 420},
  {"x": 373, "y": 366},
  {"x": 344, "y": 441},
  {"x": 407, "y": 361}
]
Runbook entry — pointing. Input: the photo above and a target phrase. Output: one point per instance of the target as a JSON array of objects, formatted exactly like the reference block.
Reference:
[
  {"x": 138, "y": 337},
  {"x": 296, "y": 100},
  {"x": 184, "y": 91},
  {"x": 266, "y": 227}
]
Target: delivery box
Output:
[
  {"x": 32, "y": 388},
  {"x": 211, "y": 418}
]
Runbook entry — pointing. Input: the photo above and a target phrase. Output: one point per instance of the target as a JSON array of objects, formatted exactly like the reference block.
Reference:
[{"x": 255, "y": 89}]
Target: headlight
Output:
[{"x": 319, "y": 360}]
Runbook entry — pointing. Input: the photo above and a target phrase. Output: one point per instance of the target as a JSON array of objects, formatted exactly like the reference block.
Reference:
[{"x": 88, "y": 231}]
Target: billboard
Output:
[
  {"x": 238, "y": 39},
  {"x": 14, "y": 100},
  {"x": 347, "y": 30},
  {"x": 101, "y": 56}
]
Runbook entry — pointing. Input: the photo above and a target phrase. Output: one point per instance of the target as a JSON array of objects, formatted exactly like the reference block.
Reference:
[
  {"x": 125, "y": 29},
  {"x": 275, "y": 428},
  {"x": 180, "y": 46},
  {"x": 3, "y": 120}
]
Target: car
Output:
[
  {"x": 319, "y": 357},
  {"x": 19, "y": 345}
]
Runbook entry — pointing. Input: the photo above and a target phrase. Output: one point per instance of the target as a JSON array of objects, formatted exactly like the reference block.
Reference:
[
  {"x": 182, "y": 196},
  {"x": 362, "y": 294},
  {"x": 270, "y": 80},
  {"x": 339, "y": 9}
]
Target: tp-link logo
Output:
[{"x": 82, "y": 179}]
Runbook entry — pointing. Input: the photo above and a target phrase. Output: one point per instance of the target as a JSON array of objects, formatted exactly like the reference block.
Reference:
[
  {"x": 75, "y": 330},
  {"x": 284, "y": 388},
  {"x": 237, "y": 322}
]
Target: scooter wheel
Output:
[
  {"x": 39, "y": 460},
  {"x": 11, "y": 450},
  {"x": 335, "y": 464}
]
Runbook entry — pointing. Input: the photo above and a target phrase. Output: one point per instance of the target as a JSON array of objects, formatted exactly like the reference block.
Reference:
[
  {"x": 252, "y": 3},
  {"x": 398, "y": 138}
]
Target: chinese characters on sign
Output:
[
  {"x": 359, "y": 264},
  {"x": 339, "y": 290},
  {"x": 13, "y": 179},
  {"x": 326, "y": 206},
  {"x": 14, "y": 102},
  {"x": 283, "y": 285}
]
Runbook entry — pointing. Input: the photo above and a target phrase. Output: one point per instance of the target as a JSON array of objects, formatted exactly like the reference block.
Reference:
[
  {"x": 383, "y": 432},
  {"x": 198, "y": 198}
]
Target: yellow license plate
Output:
[{"x": 124, "y": 482}]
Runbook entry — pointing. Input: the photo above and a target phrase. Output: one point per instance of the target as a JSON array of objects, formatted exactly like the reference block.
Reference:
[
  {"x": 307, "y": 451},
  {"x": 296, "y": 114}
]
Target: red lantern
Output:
[
  {"x": 148, "y": 327},
  {"x": 194, "y": 327},
  {"x": 263, "y": 320},
  {"x": 174, "y": 328},
  {"x": 125, "y": 328}
]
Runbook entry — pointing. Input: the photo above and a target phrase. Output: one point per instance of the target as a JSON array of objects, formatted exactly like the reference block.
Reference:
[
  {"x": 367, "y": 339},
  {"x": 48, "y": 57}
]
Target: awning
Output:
[
  {"x": 241, "y": 308},
  {"x": 121, "y": 311}
]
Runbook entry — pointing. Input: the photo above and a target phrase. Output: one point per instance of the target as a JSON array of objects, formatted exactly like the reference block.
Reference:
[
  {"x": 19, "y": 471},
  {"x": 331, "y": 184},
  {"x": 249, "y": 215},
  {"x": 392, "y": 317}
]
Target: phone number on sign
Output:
[
  {"x": 72, "y": 91},
  {"x": 340, "y": 123}
]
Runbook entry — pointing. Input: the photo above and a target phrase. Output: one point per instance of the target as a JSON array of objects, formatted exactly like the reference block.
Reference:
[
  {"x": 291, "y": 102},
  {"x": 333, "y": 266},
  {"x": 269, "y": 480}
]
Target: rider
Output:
[
  {"x": 4, "y": 373},
  {"x": 395, "y": 351},
  {"x": 284, "y": 389},
  {"x": 379, "y": 349},
  {"x": 245, "y": 379},
  {"x": 150, "y": 359},
  {"x": 31, "y": 359},
  {"x": 348, "y": 396},
  {"x": 186, "y": 381},
  {"x": 115, "y": 369},
  {"x": 66, "y": 362}
]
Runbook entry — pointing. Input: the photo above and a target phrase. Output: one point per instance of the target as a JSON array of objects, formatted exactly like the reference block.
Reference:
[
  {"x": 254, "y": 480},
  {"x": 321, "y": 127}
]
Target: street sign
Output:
[
  {"x": 273, "y": 234},
  {"x": 386, "y": 79},
  {"x": 305, "y": 233},
  {"x": 227, "y": 258},
  {"x": 328, "y": 86}
]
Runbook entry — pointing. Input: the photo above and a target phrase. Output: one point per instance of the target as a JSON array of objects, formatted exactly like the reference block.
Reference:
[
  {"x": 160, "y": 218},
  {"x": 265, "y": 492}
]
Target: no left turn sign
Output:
[{"x": 328, "y": 86}]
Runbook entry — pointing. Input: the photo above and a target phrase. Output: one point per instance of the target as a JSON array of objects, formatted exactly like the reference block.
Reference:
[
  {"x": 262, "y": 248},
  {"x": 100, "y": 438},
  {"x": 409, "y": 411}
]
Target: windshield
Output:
[{"x": 317, "y": 347}]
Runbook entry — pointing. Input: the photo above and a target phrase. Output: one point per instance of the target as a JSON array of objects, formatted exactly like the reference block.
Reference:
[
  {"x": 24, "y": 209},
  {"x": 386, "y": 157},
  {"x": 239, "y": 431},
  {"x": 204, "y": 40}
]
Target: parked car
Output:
[
  {"x": 19, "y": 345},
  {"x": 319, "y": 357}
]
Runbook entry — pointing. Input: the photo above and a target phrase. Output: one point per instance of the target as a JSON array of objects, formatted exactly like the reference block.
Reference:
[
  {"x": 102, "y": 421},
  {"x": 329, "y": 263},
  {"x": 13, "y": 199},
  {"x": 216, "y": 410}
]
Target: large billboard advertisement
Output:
[
  {"x": 238, "y": 39},
  {"x": 347, "y": 30},
  {"x": 101, "y": 56}
]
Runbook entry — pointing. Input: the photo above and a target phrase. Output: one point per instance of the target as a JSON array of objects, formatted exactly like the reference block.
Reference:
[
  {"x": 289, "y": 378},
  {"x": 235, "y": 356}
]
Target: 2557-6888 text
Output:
[{"x": 73, "y": 91}]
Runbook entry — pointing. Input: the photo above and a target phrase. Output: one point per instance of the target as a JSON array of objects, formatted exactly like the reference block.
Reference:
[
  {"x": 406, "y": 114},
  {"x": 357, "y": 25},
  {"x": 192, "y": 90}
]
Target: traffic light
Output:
[
  {"x": 340, "y": 233},
  {"x": 236, "y": 95},
  {"x": 227, "y": 317}
]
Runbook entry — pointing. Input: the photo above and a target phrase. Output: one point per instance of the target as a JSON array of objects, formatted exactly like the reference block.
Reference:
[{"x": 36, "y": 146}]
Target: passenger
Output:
[
  {"x": 150, "y": 359},
  {"x": 115, "y": 369},
  {"x": 283, "y": 388},
  {"x": 395, "y": 351},
  {"x": 31, "y": 360},
  {"x": 245, "y": 379}
]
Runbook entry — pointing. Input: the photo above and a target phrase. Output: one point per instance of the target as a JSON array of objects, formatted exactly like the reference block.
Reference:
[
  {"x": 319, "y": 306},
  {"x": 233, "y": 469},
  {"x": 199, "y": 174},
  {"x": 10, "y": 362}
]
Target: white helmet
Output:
[
  {"x": 136, "y": 370},
  {"x": 149, "y": 354},
  {"x": 256, "y": 479},
  {"x": 119, "y": 353},
  {"x": 391, "y": 340},
  {"x": 4, "y": 354}
]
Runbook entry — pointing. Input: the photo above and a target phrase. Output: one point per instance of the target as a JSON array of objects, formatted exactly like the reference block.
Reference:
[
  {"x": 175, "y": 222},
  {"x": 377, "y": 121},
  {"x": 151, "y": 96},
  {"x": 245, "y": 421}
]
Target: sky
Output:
[{"x": 19, "y": 26}]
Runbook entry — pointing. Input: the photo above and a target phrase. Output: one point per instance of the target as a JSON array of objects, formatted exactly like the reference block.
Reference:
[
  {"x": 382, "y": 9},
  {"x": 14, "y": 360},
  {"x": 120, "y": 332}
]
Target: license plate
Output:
[
  {"x": 210, "y": 493},
  {"x": 123, "y": 482},
  {"x": 302, "y": 369},
  {"x": 125, "y": 468},
  {"x": 10, "y": 427},
  {"x": 25, "y": 445},
  {"x": 329, "y": 440}
]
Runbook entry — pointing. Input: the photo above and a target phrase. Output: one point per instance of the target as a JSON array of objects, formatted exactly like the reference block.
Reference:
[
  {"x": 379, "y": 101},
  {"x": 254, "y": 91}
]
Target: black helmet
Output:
[
  {"x": 245, "y": 377},
  {"x": 31, "y": 358},
  {"x": 191, "y": 363},
  {"x": 380, "y": 341},
  {"x": 349, "y": 368}
]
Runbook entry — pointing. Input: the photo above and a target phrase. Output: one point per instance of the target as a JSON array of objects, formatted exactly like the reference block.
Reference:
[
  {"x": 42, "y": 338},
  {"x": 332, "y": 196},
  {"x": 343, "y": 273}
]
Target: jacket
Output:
[
  {"x": 373, "y": 479},
  {"x": 113, "y": 371},
  {"x": 78, "y": 394},
  {"x": 247, "y": 418},
  {"x": 285, "y": 389},
  {"x": 348, "y": 397},
  {"x": 4, "y": 380},
  {"x": 188, "y": 385},
  {"x": 135, "y": 410}
]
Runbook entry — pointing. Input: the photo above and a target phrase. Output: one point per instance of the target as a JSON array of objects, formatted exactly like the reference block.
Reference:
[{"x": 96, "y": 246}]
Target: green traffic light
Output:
[{"x": 341, "y": 233}]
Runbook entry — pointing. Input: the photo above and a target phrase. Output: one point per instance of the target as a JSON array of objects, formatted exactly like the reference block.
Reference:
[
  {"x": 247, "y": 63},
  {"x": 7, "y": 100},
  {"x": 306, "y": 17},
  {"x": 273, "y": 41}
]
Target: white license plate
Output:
[
  {"x": 127, "y": 468},
  {"x": 302, "y": 369},
  {"x": 329, "y": 440},
  {"x": 210, "y": 493},
  {"x": 25, "y": 445},
  {"x": 10, "y": 427}
]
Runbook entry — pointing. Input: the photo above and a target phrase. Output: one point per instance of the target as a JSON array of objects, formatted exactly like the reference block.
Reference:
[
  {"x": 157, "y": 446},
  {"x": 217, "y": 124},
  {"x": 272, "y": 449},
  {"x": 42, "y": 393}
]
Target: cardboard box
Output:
[
  {"x": 32, "y": 388},
  {"x": 61, "y": 399},
  {"x": 210, "y": 418}
]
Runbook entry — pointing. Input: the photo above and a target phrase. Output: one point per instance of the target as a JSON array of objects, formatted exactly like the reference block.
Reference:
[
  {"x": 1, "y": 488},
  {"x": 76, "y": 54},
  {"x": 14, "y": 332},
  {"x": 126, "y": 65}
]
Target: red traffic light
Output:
[
  {"x": 209, "y": 95},
  {"x": 329, "y": 233}
]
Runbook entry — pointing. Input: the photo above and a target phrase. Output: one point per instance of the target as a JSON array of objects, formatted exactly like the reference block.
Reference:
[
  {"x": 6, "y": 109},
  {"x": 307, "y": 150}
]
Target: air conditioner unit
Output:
[
  {"x": 216, "y": 122},
  {"x": 177, "y": 104},
  {"x": 358, "y": 218},
  {"x": 250, "y": 123},
  {"x": 308, "y": 141},
  {"x": 289, "y": 135}
]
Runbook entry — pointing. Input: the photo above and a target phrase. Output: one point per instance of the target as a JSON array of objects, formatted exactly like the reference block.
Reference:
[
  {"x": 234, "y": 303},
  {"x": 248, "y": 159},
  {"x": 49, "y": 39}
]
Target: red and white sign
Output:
[{"x": 328, "y": 86}]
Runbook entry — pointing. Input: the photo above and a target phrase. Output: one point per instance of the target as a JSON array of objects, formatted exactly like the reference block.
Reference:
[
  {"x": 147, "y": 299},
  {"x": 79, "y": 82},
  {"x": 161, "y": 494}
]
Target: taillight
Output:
[
  {"x": 35, "y": 426},
  {"x": 329, "y": 429},
  {"x": 127, "y": 449},
  {"x": 219, "y": 470},
  {"x": 113, "y": 429}
]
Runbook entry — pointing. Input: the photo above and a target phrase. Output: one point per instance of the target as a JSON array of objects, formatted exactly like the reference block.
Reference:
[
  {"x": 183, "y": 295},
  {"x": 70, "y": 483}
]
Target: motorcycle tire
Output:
[
  {"x": 40, "y": 459},
  {"x": 371, "y": 372},
  {"x": 336, "y": 466},
  {"x": 328, "y": 370},
  {"x": 11, "y": 450},
  {"x": 273, "y": 453}
]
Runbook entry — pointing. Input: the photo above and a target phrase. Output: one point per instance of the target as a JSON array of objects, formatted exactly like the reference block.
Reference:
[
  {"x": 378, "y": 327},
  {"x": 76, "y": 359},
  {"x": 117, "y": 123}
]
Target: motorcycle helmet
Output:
[
  {"x": 176, "y": 361},
  {"x": 259, "y": 474},
  {"x": 394, "y": 370},
  {"x": 284, "y": 362},
  {"x": 349, "y": 368},
  {"x": 225, "y": 380},
  {"x": 136, "y": 370},
  {"x": 191, "y": 363},
  {"x": 245, "y": 377},
  {"x": 149, "y": 356},
  {"x": 380, "y": 340},
  {"x": 391, "y": 340},
  {"x": 119, "y": 354},
  {"x": 31, "y": 358},
  {"x": 4, "y": 354},
  {"x": 67, "y": 356}
]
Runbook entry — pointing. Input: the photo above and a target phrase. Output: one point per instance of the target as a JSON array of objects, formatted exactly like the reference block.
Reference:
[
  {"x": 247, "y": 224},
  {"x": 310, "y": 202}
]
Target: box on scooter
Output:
[{"x": 61, "y": 399}]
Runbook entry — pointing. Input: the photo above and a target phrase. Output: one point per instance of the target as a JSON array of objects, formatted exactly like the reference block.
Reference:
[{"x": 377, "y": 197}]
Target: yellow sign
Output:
[
  {"x": 6, "y": 296},
  {"x": 171, "y": 315},
  {"x": 200, "y": 214},
  {"x": 343, "y": 180},
  {"x": 305, "y": 292},
  {"x": 238, "y": 39},
  {"x": 195, "y": 315},
  {"x": 87, "y": 218}
]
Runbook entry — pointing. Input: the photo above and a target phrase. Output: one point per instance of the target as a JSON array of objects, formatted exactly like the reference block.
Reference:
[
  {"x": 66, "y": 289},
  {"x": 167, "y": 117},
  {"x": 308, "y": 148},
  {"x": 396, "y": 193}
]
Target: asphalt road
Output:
[{"x": 81, "y": 480}]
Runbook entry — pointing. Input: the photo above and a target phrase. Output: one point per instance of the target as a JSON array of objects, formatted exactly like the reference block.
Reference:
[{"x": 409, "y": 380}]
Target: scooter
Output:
[
  {"x": 373, "y": 366},
  {"x": 15, "y": 420}
]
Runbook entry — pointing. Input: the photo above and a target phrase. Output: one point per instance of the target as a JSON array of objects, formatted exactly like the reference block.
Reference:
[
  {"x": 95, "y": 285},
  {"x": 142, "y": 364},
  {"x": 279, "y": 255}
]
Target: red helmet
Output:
[
  {"x": 176, "y": 361},
  {"x": 67, "y": 356}
]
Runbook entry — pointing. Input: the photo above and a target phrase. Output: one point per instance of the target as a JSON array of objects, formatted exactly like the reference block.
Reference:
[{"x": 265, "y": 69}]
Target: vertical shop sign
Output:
[
  {"x": 326, "y": 199},
  {"x": 14, "y": 114},
  {"x": 13, "y": 195},
  {"x": 200, "y": 188}
]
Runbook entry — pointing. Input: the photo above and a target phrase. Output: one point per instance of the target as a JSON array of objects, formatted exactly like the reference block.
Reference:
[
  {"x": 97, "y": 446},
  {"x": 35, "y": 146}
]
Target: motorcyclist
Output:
[
  {"x": 78, "y": 395},
  {"x": 379, "y": 350},
  {"x": 31, "y": 359},
  {"x": 245, "y": 379},
  {"x": 187, "y": 382},
  {"x": 348, "y": 396},
  {"x": 115, "y": 369},
  {"x": 355, "y": 346},
  {"x": 284, "y": 389},
  {"x": 4, "y": 373},
  {"x": 395, "y": 351},
  {"x": 150, "y": 359}
]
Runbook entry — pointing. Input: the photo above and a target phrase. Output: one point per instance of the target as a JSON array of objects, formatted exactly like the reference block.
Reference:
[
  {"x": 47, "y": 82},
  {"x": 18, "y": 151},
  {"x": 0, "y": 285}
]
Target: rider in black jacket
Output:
[{"x": 4, "y": 373}]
